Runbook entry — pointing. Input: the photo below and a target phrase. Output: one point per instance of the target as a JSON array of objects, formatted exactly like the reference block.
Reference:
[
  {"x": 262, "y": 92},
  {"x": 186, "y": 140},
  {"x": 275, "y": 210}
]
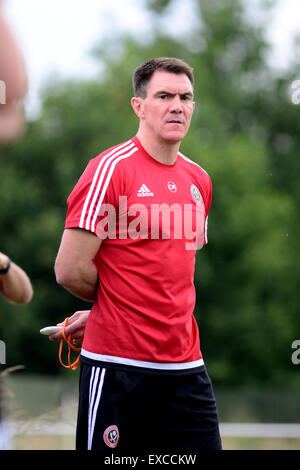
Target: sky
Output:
[{"x": 56, "y": 36}]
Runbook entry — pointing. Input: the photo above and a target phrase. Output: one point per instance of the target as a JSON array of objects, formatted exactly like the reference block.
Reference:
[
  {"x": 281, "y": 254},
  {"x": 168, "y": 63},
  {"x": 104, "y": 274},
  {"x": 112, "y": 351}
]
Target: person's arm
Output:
[
  {"x": 74, "y": 266},
  {"x": 15, "y": 285},
  {"x": 12, "y": 68},
  {"x": 14, "y": 84}
]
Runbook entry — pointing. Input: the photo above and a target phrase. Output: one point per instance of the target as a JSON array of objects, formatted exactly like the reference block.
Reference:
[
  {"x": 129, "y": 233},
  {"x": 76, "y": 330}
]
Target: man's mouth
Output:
[{"x": 174, "y": 121}]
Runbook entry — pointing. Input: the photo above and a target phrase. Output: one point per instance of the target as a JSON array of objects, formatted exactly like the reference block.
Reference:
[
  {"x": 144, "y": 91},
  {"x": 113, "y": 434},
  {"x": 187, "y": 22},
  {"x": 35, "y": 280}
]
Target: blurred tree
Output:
[{"x": 244, "y": 133}]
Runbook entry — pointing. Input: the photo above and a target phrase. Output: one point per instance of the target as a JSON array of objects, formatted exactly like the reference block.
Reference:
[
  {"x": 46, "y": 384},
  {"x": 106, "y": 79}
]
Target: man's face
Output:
[{"x": 167, "y": 110}]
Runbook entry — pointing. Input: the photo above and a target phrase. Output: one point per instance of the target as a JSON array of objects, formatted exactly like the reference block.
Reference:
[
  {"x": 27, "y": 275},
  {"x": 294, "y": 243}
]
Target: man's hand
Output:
[{"x": 75, "y": 327}]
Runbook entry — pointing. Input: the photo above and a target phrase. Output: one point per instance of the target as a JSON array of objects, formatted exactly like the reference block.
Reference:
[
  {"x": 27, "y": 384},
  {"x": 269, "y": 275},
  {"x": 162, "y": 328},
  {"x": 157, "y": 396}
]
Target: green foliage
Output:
[{"x": 244, "y": 133}]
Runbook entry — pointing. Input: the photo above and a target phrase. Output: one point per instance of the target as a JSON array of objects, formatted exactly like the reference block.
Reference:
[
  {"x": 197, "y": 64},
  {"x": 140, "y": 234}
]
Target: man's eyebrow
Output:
[{"x": 188, "y": 94}]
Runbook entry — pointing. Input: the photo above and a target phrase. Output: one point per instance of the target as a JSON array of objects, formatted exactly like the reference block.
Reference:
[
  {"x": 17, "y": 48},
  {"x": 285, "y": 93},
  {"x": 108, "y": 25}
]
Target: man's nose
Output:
[{"x": 176, "y": 104}]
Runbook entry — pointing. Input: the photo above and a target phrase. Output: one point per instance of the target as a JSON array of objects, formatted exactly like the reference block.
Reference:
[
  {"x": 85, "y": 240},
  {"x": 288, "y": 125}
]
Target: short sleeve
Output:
[
  {"x": 207, "y": 203},
  {"x": 96, "y": 189}
]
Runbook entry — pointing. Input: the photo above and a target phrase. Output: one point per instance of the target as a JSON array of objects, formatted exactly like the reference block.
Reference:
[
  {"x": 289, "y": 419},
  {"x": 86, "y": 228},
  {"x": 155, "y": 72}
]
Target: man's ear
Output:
[{"x": 137, "y": 105}]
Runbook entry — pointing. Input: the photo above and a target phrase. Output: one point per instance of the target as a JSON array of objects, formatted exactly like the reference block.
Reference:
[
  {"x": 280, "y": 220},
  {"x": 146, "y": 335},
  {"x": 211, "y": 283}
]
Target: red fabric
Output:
[{"x": 146, "y": 294}]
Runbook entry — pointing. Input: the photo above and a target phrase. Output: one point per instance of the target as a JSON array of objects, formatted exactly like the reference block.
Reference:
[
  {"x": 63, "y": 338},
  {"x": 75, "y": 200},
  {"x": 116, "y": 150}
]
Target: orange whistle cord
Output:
[{"x": 73, "y": 365}]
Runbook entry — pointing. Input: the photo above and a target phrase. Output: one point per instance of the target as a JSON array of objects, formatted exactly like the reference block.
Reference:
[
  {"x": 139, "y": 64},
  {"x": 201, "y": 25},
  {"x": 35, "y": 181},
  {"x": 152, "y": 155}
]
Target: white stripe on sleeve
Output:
[
  {"x": 108, "y": 178},
  {"x": 121, "y": 148}
]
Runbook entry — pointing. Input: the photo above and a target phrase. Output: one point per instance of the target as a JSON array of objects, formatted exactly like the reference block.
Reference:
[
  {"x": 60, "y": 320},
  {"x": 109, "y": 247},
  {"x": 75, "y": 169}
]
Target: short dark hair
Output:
[{"x": 143, "y": 74}]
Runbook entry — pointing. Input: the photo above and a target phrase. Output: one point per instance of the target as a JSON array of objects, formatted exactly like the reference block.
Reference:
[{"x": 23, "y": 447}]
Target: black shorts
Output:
[{"x": 121, "y": 410}]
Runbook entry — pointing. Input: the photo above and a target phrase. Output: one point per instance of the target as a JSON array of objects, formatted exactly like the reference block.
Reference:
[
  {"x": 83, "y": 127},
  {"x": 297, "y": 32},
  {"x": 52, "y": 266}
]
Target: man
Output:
[
  {"x": 15, "y": 285},
  {"x": 129, "y": 247}
]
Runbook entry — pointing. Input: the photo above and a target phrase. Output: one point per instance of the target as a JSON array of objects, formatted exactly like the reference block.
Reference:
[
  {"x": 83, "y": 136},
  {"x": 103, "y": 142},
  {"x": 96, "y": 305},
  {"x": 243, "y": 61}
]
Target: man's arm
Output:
[
  {"x": 74, "y": 266},
  {"x": 15, "y": 285}
]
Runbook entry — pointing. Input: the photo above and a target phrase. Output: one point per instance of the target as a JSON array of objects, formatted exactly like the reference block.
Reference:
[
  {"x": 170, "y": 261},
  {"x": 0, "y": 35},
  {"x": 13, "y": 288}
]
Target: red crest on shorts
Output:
[{"x": 111, "y": 436}]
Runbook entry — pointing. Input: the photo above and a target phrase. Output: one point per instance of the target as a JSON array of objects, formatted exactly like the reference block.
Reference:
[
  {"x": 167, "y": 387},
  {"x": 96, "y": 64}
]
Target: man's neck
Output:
[{"x": 162, "y": 151}]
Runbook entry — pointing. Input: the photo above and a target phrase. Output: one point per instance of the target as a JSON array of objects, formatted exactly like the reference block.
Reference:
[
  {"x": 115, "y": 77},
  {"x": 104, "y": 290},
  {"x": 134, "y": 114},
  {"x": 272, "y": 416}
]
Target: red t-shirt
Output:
[{"x": 150, "y": 217}]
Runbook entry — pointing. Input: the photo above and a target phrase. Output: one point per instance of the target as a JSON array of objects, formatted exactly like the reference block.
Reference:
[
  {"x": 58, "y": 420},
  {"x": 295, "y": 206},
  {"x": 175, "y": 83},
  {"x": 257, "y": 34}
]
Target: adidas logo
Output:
[{"x": 144, "y": 191}]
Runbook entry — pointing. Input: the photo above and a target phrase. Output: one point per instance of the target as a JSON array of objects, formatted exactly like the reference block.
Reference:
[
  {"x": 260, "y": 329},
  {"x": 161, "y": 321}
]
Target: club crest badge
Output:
[
  {"x": 111, "y": 436},
  {"x": 196, "y": 195},
  {"x": 172, "y": 187}
]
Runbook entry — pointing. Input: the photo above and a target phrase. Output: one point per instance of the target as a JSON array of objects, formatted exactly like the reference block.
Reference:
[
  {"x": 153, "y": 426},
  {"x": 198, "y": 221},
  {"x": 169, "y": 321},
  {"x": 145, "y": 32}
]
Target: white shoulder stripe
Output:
[
  {"x": 191, "y": 161},
  {"x": 87, "y": 200},
  {"x": 99, "y": 184},
  {"x": 108, "y": 178},
  {"x": 86, "y": 214}
]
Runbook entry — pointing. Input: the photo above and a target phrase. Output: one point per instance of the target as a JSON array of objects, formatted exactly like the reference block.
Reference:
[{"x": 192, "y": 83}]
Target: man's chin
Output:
[{"x": 174, "y": 137}]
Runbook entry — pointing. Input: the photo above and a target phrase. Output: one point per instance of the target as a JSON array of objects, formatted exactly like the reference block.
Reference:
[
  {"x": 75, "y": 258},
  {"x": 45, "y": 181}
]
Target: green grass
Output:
[{"x": 247, "y": 443}]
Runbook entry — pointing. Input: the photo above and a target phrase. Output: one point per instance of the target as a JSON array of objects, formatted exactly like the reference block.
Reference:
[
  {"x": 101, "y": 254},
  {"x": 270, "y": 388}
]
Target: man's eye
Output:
[{"x": 163, "y": 97}]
